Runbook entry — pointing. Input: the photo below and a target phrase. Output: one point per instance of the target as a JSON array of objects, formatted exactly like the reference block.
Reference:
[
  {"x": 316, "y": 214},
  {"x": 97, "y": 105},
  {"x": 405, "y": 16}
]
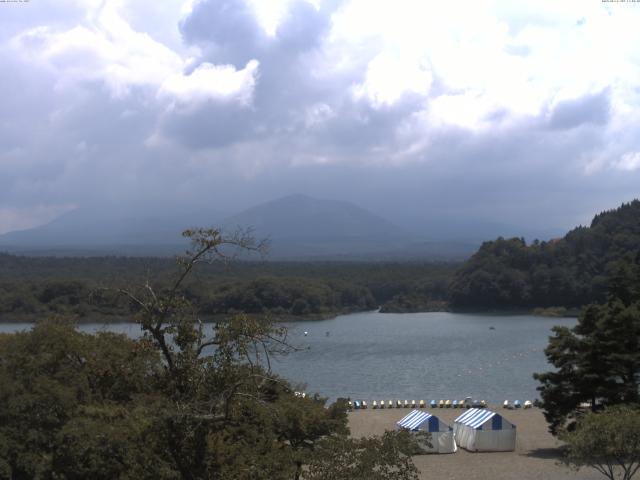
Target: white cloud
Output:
[
  {"x": 629, "y": 162},
  {"x": 389, "y": 77},
  {"x": 106, "y": 49},
  {"x": 212, "y": 82}
]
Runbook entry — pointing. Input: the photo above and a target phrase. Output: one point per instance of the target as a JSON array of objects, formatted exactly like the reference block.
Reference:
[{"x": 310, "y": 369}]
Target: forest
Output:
[
  {"x": 31, "y": 287},
  {"x": 568, "y": 272}
]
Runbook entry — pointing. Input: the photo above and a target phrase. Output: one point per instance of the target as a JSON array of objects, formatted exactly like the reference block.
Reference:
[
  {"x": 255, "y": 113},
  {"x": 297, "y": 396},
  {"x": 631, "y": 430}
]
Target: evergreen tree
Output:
[{"x": 597, "y": 361}]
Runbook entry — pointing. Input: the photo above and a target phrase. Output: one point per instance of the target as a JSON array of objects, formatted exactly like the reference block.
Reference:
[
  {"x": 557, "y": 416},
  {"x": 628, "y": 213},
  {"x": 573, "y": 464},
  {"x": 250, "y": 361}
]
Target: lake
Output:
[{"x": 433, "y": 355}]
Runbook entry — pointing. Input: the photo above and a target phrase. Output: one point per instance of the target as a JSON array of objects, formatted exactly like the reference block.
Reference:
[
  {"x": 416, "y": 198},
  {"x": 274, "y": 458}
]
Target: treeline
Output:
[
  {"x": 85, "y": 287},
  {"x": 570, "y": 272}
]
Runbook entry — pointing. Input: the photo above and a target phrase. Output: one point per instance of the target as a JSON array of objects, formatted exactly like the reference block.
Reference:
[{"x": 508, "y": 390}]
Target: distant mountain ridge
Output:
[
  {"x": 299, "y": 227},
  {"x": 301, "y": 216},
  {"x": 86, "y": 229},
  {"x": 571, "y": 271}
]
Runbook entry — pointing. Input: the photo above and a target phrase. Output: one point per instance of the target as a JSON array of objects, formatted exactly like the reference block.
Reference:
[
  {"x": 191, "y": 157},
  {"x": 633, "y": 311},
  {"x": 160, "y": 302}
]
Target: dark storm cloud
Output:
[
  {"x": 593, "y": 109},
  {"x": 228, "y": 32}
]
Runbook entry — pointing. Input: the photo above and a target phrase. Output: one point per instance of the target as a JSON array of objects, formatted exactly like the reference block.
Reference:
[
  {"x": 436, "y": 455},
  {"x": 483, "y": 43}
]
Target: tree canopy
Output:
[
  {"x": 174, "y": 404},
  {"x": 598, "y": 361},
  {"x": 607, "y": 441},
  {"x": 572, "y": 271}
]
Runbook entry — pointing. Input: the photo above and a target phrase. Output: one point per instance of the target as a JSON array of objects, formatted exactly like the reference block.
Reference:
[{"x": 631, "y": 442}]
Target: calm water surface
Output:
[{"x": 423, "y": 355}]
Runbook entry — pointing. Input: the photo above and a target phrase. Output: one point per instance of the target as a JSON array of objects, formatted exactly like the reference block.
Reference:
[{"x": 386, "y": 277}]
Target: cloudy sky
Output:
[{"x": 515, "y": 112}]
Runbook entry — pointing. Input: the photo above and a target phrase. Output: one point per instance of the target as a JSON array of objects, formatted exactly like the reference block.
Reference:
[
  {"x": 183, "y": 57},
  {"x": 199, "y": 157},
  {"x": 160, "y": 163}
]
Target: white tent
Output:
[
  {"x": 441, "y": 440},
  {"x": 479, "y": 430}
]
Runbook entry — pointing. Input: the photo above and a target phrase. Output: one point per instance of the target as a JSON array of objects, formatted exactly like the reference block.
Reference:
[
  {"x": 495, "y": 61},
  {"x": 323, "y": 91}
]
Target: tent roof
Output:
[
  {"x": 475, "y": 417},
  {"x": 414, "y": 419}
]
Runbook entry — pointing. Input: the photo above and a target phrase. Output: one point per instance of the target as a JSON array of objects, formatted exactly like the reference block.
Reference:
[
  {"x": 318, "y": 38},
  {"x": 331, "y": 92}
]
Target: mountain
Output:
[
  {"x": 571, "y": 271},
  {"x": 89, "y": 232},
  {"x": 300, "y": 226}
]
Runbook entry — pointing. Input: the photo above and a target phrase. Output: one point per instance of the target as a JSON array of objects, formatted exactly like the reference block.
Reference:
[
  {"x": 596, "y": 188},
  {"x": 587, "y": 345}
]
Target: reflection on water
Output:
[{"x": 413, "y": 356}]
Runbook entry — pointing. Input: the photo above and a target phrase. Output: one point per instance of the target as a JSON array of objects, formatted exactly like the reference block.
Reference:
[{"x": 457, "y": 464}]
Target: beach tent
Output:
[
  {"x": 441, "y": 440},
  {"x": 479, "y": 430}
]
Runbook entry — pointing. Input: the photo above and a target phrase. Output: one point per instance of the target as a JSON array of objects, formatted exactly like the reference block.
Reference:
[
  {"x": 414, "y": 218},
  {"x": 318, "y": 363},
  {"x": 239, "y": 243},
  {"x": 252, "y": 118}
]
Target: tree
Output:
[
  {"x": 384, "y": 458},
  {"x": 177, "y": 403},
  {"x": 597, "y": 361},
  {"x": 607, "y": 441}
]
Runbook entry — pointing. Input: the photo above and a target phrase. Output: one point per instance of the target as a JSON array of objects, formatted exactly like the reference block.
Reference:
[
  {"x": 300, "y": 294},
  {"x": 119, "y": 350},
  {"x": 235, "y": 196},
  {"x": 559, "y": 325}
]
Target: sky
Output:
[{"x": 526, "y": 113}]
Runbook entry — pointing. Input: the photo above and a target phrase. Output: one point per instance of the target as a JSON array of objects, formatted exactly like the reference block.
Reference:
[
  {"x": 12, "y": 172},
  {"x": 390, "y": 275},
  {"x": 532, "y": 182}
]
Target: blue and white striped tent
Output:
[
  {"x": 441, "y": 434},
  {"x": 480, "y": 430}
]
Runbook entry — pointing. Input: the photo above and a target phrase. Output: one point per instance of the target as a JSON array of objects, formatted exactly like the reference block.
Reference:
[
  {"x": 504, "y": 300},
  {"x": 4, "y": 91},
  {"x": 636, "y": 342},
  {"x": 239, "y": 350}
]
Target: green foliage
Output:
[
  {"x": 597, "y": 361},
  {"x": 570, "y": 272},
  {"x": 608, "y": 441},
  {"x": 34, "y": 287},
  {"x": 174, "y": 404},
  {"x": 384, "y": 458}
]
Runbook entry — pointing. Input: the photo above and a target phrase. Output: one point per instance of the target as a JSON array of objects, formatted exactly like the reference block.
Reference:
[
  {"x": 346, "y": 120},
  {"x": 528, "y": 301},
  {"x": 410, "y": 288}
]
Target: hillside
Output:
[
  {"x": 300, "y": 226},
  {"x": 96, "y": 232},
  {"x": 571, "y": 271}
]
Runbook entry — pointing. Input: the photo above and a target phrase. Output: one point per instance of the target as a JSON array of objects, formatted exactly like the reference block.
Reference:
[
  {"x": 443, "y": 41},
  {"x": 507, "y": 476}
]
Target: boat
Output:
[
  {"x": 356, "y": 404},
  {"x": 454, "y": 404},
  {"x": 528, "y": 404},
  {"x": 374, "y": 404},
  {"x": 517, "y": 404},
  {"x": 447, "y": 404},
  {"x": 390, "y": 404},
  {"x": 421, "y": 404},
  {"x": 364, "y": 404},
  {"x": 413, "y": 404},
  {"x": 441, "y": 403},
  {"x": 433, "y": 404},
  {"x": 505, "y": 404},
  {"x": 398, "y": 404},
  {"x": 406, "y": 404},
  {"x": 381, "y": 403}
]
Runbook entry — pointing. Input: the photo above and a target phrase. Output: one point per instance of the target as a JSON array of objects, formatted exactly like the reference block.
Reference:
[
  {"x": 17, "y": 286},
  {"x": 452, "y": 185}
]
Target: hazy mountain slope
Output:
[
  {"x": 301, "y": 216},
  {"x": 90, "y": 229},
  {"x": 302, "y": 227}
]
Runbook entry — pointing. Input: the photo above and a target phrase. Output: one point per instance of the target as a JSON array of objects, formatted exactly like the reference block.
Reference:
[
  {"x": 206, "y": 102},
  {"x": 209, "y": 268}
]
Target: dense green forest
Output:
[
  {"x": 34, "y": 286},
  {"x": 571, "y": 272}
]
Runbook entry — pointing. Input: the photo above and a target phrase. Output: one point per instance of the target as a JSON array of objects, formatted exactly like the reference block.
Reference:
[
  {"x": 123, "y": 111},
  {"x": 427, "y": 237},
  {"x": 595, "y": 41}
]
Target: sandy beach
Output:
[{"x": 535, "y": 457}]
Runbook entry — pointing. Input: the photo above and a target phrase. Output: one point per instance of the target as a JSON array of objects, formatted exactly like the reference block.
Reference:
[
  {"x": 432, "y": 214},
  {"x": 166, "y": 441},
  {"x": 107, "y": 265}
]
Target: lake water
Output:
[{"x": 410, "y": 356}]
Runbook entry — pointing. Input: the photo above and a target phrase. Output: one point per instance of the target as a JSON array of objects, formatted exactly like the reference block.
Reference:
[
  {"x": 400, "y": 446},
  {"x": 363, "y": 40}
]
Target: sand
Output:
[{"x": 536, "y": 455}]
